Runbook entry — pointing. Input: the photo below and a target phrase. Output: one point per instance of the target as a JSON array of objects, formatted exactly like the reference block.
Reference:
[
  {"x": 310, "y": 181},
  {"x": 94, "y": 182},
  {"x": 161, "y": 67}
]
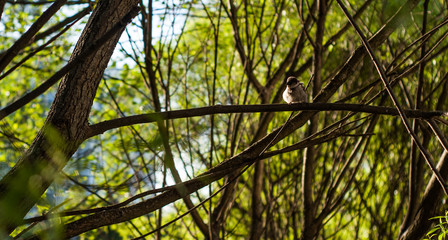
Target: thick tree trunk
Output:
[{"x": 67, "y": 122}]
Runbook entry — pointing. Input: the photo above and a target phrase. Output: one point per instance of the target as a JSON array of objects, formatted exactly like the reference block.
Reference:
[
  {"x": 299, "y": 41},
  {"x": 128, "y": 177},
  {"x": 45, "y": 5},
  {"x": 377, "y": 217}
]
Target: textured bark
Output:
[{"x": 67, "y": 122}]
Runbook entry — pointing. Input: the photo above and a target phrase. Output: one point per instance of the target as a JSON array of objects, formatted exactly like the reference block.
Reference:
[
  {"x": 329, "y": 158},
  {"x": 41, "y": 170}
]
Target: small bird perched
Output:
[{"x": 295, "y": 91}]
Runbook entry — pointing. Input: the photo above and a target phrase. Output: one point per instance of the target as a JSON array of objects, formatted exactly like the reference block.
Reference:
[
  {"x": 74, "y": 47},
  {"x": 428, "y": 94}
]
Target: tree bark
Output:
[{"x": 67, "y": 123}]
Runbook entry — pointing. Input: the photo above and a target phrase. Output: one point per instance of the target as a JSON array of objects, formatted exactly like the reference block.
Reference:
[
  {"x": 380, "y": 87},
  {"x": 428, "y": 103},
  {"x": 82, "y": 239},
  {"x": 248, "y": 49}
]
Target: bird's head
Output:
[{"x": 292, "y": 82}]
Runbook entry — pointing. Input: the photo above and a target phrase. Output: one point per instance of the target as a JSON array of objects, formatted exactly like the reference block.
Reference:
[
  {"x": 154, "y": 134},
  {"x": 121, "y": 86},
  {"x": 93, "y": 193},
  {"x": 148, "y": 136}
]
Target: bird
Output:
[{"x": 295, "y": 91}]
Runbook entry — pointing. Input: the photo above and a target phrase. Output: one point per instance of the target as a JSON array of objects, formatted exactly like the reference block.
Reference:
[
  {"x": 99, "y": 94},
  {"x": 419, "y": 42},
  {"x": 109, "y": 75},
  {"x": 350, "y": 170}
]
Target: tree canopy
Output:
[{"x": 126, "y": 119}]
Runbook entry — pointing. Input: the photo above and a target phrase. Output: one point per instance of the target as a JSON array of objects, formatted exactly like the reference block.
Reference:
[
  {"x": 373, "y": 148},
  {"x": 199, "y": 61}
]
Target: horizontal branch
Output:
[{"x": 101, "y": 127}]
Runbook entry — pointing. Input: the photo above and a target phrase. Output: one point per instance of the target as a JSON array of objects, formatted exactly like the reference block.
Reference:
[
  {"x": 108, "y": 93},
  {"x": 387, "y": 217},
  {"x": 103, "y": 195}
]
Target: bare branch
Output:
[{"x": 101, "y": 127}]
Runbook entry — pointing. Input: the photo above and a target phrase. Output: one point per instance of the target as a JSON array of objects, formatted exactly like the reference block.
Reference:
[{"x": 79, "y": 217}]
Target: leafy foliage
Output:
[{"x": 221, "y": 53}]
